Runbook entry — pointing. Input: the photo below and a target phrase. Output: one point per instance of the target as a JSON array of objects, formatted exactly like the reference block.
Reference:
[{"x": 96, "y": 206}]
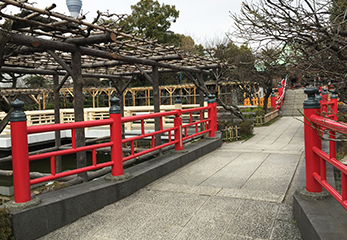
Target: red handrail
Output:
[
  {"x": 21, "y": 158},
  {"x": 315, "y": 157},
  {"x": 66, "y": 126}
]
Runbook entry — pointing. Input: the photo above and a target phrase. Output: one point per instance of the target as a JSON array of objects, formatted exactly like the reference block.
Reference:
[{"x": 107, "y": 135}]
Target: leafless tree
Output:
[
  {"x": 312, "y": 31},
  {"x": 270, "y": 64}
]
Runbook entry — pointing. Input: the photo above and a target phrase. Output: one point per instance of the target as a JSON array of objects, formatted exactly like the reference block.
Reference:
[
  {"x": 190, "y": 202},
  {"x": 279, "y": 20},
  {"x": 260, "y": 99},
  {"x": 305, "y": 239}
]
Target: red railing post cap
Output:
[
  {"x": 17, "y": 115},
  {"x": 324, "y": 91},
  {"x": 114, "y": 105},
  {"x": 211, "y": 98},
  {"x": 318, "y": 96},
  {"x": 178, "y": 99},
  {"x": 333, "y": 94},
  {"x": 311, "y": 101}
]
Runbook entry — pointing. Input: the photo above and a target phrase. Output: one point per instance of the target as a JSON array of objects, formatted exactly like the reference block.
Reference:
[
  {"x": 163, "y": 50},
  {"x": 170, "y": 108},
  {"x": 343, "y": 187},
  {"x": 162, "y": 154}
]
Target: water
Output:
[
  {"x": 43, "y": 165},
  {"x": 68, "y": 161}
]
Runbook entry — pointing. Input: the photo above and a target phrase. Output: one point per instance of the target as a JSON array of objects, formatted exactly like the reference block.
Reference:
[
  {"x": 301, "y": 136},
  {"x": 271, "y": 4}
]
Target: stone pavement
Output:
[{"x": 243, "y": 190}]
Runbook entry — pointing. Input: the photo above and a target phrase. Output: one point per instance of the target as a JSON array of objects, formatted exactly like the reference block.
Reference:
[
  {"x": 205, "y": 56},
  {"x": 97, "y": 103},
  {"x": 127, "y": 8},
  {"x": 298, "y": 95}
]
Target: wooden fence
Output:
[
  {"x": 231, "y": 133},
  {"x": 260, "y": 120}
]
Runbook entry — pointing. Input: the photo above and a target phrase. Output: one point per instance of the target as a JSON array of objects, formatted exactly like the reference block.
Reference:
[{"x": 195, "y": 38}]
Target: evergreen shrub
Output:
[{"x": 5, "y": 225}]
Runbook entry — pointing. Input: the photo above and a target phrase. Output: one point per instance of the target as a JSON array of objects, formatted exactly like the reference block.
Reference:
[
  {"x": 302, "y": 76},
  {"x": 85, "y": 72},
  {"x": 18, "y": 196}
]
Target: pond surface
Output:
[{"x": 43, "y": 165}]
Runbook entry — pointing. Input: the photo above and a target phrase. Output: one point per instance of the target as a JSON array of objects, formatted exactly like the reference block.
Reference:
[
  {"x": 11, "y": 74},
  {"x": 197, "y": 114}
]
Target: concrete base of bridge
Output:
[
  {"x": 319, "y": 217},
  {"x": 66, "y": 205}
]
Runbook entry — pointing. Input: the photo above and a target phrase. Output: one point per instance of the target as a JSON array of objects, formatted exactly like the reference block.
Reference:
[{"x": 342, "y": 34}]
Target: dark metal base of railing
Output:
[
  {"x": 69, "y": 204},
  {"x": 319, "y": 219}
]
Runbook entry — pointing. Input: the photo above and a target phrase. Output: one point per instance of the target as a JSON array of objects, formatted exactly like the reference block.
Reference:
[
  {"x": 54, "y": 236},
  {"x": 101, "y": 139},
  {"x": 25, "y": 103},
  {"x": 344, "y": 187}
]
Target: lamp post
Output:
[{"x": 74, "y": 7}]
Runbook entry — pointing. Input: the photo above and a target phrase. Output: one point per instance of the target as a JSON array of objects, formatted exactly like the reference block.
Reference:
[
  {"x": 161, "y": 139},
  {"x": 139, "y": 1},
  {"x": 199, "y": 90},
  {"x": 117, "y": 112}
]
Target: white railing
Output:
[{"x": 43, "y": 117}]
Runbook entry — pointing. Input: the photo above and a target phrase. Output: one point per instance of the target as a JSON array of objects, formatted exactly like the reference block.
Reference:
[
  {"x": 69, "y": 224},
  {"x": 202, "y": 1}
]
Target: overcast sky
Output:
[{"x": 203, "y": 20}]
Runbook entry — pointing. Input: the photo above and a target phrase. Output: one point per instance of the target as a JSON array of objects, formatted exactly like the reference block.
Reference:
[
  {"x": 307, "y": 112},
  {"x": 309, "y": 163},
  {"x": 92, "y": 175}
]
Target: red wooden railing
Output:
[
  {"x": 276, "y": 103},
  {"x": 20, "y": 132},
  {"x": 315, "y": 157},
  {"x": 281, "y": 93}
]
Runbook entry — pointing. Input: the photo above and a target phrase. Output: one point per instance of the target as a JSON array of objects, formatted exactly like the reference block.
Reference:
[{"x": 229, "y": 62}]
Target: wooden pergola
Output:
[
  {"x": 49, "y": 43},
  {"x": 131, "y": 95},
  {"x": 41, "y": 41}
]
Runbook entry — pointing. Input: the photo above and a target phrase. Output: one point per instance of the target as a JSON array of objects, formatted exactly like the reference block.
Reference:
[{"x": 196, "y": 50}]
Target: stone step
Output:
[
  {"x": 291, "y": 108},
  {"x": 291, "y": 113},
  {"x": 300, "y": 95},
  {"x": 287, "y": 102},
  {"x": 293, "y": 103},
  {"x": 296, "y": 96}
]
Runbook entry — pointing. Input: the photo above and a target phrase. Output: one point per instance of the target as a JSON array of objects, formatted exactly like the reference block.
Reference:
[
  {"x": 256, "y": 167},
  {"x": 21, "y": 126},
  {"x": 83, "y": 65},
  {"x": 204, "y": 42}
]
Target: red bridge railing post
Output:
[
  {"x": 178, "y": 131},
  {"x": 280, "y": 90},
  {"x": 334, "y": 107},
  {"x": 20, "y": 154},
  {"x": 325, "y": 95},
  {"x": 116, "y": 138},
  {"x": 325, "y": 99},
  {"x": 332, "y": 135},
  {"x": 215, "y": 113},
  {"x": 212, "y": 115},
  {"x": 273, "y": 101},
  {"x": 178, "y": 125},
  {"x": 320, "y": 100},
  {"x": 312, "y": 139}
]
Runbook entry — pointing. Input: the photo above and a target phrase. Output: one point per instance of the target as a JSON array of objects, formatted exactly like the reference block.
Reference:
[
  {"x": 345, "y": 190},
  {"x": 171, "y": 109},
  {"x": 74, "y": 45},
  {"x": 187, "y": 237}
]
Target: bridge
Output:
[
  {"x": 243, "y": 190},
  {"x": 240, "y": 190}
]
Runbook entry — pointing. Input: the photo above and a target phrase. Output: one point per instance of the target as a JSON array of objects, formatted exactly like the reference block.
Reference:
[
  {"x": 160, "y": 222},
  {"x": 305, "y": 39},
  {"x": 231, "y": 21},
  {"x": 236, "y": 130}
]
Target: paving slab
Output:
[
  {"x": 234, "y": 192},
  {"x": 236, "y": 173}
]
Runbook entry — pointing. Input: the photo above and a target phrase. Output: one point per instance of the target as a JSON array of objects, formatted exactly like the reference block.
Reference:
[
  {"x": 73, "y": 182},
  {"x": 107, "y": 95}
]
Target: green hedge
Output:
[
  {"x": 259, "y": 111},
  {"x": 5, "y": 225},
  {"x": 246, "y": 128}
]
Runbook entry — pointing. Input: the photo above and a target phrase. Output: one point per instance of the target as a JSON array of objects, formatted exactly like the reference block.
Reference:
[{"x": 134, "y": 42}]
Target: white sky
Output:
[{"x": 203, "y": 20}]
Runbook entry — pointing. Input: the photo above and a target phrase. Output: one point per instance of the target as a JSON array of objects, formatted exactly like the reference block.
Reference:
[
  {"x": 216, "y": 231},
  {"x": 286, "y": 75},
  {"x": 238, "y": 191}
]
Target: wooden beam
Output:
[
  {"x": 113, "y": 63},
  {"x": 144, "y": 73},
  {"x": 156, "y": 103},
  {"x": 168, "y": 57},
  {"x": 78, "y": 103},
  {"x": 60, "y": 61},
  {"x": 46, "y": 44},
  {"x": 58, "y": 163},
  {"x": 201, "y": 94},
  {"x": 51, "y": 7},
  {"x": 93, "y": 39},
  {"x": 68, "y": 47},
  {"x": 212, "y": 66},
  {"x": 70, "y": 19},
  {"x": 7, "y": 69},
  {"x": 95, "y": 75},
  {"x": 5, "y": 120},
  {"x": 57, "y": 87}
]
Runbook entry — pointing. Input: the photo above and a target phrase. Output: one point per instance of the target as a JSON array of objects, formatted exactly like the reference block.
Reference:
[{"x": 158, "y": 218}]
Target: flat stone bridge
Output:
[{"x": 243, "y": 190}]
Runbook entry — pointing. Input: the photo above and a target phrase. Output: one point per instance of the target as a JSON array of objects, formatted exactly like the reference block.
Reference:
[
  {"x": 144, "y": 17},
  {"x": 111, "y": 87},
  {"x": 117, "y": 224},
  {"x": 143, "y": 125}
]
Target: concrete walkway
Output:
[{"x": 241, "y": 191}]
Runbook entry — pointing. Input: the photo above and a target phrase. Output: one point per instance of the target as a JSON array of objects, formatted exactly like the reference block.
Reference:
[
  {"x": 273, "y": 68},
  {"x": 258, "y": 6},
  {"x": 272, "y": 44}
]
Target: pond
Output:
[{"x": 43, "y": 165}]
